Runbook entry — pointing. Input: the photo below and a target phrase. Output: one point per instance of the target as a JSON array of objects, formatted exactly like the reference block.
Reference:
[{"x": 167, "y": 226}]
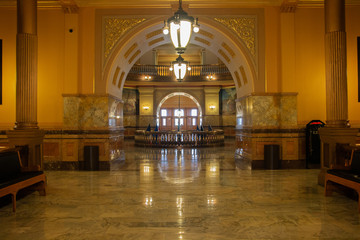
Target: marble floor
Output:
[{"x": 181, "y": 194}]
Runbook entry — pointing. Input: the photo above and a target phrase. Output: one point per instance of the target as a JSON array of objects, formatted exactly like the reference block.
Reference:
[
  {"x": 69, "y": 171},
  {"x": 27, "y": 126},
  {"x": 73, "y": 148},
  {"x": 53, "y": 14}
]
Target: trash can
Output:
[
  {"x": 91, "y": 158},
  {"x": 313, "y": 144},
  {"x": 272, "y": 156}
]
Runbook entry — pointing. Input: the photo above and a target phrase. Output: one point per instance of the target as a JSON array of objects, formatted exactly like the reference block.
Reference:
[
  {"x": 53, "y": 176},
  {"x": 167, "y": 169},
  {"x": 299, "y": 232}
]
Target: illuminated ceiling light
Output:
[
  {"x": 210, "y": 77},
  {"x": 180, "y": 27},
  {"x": 179, "y": 67}
]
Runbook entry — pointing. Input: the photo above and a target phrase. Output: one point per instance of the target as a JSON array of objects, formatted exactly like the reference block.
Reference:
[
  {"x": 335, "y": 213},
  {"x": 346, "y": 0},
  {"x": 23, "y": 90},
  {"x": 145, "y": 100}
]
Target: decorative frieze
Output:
[
  {"x": 115, "y": 28},
  {"x": 244, "y": 28}
]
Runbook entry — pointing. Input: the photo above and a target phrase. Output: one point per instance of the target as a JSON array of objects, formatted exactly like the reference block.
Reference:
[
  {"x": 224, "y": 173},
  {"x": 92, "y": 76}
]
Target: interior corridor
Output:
[{"x": 182, "y": 194}]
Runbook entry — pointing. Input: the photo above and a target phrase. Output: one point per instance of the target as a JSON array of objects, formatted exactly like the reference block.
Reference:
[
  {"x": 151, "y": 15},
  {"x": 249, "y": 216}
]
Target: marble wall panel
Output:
[
  {"x": 211, "y": 120},
  {"x": 265, "y": 111},
  {"x": 51, "y": 149},
  {"x": 89, "y": 112},
  {"x": 250, "y": 147},
  {"x": 144, "y": 121},
  {"x": 277, "y": 110},
  {"x": 70, "y": 150},
  {"x": 71, "y": 146},
  {"x": 71, "y": 112},
  {"x": 229, "y": 120},
  {"x": 130, "y": 121},
  {"x": 288, "y": 111},
  {"x": 93, "y": 112}
]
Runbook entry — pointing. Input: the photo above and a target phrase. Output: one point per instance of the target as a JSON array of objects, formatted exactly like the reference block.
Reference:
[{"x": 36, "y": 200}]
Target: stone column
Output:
[
  {"x": 335, "y": 135},
  {"x": 26, "y": 136},
  {"x": 335, "y": 64},
  {"x": 26, "y": 65}
]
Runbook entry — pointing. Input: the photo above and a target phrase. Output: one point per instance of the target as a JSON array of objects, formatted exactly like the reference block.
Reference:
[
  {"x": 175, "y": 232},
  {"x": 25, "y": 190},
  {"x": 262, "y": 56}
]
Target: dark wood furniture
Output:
[
  {"x": 13, "y": 177},
  {"x": 347, "y": 177}
]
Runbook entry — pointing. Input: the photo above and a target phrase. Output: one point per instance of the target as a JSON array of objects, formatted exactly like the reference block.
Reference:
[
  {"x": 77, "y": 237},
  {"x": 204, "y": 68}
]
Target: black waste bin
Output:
[
  {"x": 313, "y": 143},
  {"x": 272, "y": 156},
  {"x": 91, "y": 158}
]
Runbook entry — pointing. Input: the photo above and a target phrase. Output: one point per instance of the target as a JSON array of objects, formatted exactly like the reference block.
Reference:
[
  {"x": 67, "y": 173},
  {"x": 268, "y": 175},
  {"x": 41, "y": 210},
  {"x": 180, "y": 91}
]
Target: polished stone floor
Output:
[{"x": 181, "y": 194}]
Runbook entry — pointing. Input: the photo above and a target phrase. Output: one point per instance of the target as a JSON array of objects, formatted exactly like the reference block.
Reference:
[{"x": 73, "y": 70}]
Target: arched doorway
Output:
[{"x": 179, "y": 110}]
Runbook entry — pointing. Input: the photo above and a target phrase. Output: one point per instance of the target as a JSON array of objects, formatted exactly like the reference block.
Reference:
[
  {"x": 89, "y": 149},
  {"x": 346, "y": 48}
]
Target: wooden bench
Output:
[
  {"x": 347, "y": 177},
  {"x": 13, "y": 178}
]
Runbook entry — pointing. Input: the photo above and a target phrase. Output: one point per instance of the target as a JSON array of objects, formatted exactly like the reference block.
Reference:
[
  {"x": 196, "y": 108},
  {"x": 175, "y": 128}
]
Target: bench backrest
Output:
[{"x": 9, "y": 164}]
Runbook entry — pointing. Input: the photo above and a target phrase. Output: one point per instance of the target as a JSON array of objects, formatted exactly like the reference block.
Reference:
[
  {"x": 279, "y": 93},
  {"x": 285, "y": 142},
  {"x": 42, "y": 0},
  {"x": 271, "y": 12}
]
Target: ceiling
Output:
[{"x": 168, "y": 3}]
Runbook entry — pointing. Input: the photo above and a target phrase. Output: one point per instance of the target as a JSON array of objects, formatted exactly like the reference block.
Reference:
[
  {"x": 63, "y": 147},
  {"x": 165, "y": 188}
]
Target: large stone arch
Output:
[{"x": 214, "y": 36}]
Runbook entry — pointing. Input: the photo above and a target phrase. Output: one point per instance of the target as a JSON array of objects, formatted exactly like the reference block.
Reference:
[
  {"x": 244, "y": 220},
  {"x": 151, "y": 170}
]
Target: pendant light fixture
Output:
[
  {"x": 179, "y": 67},
  {"x": 180, "y": 27}
]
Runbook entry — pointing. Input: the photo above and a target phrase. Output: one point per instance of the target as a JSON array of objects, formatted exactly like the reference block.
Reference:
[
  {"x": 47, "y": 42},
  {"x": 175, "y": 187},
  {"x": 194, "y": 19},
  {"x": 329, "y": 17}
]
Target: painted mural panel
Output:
[
  {"x": 130, "y": 98},
  {"x": 228, "y": 96}
]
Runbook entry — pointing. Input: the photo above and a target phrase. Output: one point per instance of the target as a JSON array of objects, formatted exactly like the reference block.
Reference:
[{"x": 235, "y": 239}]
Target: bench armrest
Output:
[{"x": 31, "y": 169}]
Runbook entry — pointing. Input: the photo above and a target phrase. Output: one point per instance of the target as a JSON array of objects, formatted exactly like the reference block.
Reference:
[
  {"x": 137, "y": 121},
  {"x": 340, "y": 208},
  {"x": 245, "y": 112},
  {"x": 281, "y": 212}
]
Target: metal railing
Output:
[
  {"x": 190, "y": 138},
  {"x": 163, "y": 70}
]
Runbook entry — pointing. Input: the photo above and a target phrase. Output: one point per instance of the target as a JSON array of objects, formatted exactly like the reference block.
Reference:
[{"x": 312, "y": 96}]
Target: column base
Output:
[{"x": 30, "y": 143}]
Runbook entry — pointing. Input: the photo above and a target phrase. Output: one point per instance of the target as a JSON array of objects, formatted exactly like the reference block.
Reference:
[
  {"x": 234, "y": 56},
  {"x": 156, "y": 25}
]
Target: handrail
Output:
[
  {"x": 163, "y": 70},
  {"x": 189, "y": 138}
]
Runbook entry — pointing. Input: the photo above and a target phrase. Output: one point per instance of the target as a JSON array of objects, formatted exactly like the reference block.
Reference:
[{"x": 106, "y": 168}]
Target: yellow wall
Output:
[
  {"x": 310, "y": 64},
  {"x": 50, "y": 67},
  {"x": 8, "y": 36},
  {"x": 272, "y": 49},
  {"x": 87, "y": 50}
]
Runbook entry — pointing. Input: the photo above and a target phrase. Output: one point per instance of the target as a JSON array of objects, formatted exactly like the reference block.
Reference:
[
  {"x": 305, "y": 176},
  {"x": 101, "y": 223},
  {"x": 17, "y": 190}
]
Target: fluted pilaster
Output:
[
  {"x": 26, "y": 65},
  {"x": 335, "y": 64},
  {"x": 336, "y": 79},
  {"x": 26, "y": 84}
]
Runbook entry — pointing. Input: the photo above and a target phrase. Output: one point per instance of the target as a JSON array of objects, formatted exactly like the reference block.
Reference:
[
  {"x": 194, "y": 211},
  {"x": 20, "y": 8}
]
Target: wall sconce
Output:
[
  {"x": 146, "y": 108},
  {"x": 212, "y": 107},
  {"x": 147, "y": 77}
]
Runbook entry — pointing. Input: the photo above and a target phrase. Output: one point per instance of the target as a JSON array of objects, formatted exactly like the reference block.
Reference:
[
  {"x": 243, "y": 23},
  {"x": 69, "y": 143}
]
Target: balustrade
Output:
[
  {"x": 182, "y": 138},
  {"x": 163, "y": 70}
]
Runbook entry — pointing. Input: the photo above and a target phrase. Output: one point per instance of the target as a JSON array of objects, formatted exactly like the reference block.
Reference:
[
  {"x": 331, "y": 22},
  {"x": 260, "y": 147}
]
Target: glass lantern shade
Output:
[
  {"x": 180, "y": 34},
  {"x": 179, "y": 66},
  {"x": 180, "y": 71},
  {"x": 180, "y": 27}
]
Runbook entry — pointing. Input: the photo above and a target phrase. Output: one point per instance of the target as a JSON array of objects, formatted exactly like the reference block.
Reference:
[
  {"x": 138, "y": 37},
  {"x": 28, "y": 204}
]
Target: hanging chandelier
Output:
[
  {"x": 179, "y": 67},
  {"x": 180, "y": 27}
]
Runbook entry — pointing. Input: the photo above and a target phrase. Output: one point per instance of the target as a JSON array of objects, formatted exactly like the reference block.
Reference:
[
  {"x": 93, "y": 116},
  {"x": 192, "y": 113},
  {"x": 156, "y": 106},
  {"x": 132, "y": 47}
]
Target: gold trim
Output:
[
  {"x": 154, "y": 33},
  {"x": 224, "y": 45},
  {"x": 206, "y": 34},
  {"x": 224, "y": 55},
  {"x": 244, "y": 28},
  {"x": 156, "y": 40},
  {"x": 115, "y": 28},
  {"x": 238, "y": 79},
  {"x": 121, "y": 78},
  {"x": 134, "y": 56},
  {"x": 202, "y": 41},
  {"x": 116, "y": 75},
  {"x": 243, "y": 74},
  {"x": 127, "y": 53}
]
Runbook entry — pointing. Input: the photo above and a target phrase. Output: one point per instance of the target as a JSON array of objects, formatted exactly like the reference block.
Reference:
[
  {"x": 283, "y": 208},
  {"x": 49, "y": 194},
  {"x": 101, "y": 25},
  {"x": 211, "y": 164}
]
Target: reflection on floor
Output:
[{"x": 182, "y": 194}]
